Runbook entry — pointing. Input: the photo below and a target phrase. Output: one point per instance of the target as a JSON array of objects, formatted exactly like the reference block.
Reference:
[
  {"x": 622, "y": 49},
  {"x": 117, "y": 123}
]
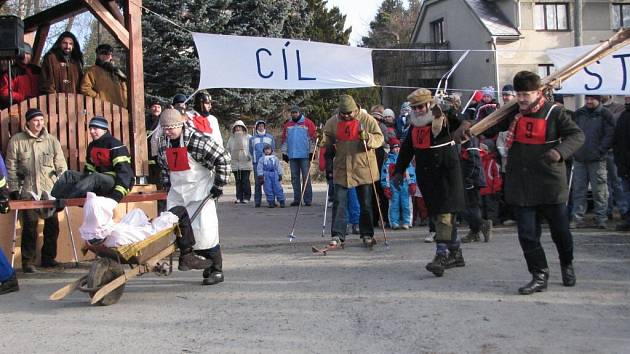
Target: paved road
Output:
[{"x": 280, "y": 298}]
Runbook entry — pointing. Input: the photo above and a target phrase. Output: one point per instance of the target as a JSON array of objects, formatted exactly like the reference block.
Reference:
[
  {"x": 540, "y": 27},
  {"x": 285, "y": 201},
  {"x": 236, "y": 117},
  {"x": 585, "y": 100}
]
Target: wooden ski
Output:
[{"x": 614, "y": 43}]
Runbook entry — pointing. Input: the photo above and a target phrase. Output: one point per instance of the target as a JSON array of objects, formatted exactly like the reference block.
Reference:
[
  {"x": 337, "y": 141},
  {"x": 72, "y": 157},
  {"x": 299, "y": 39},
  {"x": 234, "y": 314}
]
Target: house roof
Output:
[
  {"x": 487, "y": 12},
  {"x": 492, "y": 18}
]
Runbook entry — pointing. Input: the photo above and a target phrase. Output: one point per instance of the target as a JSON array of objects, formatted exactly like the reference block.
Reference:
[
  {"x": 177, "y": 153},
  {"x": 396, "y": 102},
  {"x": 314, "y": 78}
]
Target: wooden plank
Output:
[
  {"x": 62, "y": 106},
  {"x": 107, "y": 113},
  {"x": 71, "y": 116},
  {"x": 115, "y": 121},
  {"x": 54, "y": 14},
  {"x": 126, "y": 126},
  {"x": 15, "y": 119},
  {"x": 112, "y": 6},
  {"x": 129, "y": 198},
  {"x": 105, "y": 17},
  {"x": 81, "y": 130},
  {"x": 67, "y": 290},
  {"x": 98, "y": 107},
  {"x": 39, "y": 42},
  {"x": 53, "y": 116},
  {"x": 133, "y": 20},
  {"x": 5, "y": 123}
]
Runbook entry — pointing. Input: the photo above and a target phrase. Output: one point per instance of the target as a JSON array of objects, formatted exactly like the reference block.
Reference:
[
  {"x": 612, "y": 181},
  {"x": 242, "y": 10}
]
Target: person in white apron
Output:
[{"x": 194, "y": 166}]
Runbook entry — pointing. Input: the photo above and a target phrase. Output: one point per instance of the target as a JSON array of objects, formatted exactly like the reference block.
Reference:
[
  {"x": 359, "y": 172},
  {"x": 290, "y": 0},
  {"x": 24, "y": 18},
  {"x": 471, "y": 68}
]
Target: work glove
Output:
[
  {"x": 285, "y": 158},
  {"x": 388, "y": 193},
  {"x": 216, "y": 192},
  {"x": 397, "y": 180},
  {"x": 412, "y": 189},
  {"x": 15, "y": 195},
  {"x": 279, "y": 178},
  {"x": 463, "y": 132},
  {"x": 552, "y": 155}
]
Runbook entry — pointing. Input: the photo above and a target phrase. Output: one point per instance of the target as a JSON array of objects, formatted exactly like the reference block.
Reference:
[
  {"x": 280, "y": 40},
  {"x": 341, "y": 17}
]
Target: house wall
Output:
[{"x": 462, "y": 30}]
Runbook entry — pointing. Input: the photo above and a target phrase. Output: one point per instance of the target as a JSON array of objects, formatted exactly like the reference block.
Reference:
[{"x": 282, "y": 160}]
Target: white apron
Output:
[{"x": 190, "y": 184}]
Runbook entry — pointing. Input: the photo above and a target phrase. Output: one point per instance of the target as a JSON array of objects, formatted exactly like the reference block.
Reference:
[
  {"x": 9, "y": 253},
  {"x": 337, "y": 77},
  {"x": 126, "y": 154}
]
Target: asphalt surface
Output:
[{"x": 279, "y": 297}]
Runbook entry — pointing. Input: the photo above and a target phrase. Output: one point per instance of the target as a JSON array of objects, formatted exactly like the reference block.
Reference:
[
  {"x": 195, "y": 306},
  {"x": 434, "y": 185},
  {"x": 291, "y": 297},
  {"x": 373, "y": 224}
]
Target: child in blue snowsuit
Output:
[
  {"x": 256, "y": 144},
  {"x": 399, "y": 198},
  {"x": 8, "y": 280},
  {"x": 269, "y": 175}
]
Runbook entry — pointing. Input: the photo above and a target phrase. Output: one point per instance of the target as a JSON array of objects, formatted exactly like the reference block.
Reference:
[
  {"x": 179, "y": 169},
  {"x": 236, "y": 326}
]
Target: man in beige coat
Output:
[
  {"x": 344, "y": 136},
  {"x": 34, "y": 161},
  {"x": 105, "y": 80}
]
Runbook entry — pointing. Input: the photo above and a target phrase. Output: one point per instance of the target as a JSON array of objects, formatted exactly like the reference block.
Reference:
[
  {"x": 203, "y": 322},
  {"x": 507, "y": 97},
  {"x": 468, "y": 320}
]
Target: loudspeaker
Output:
[{"x": 11, "y": 36}]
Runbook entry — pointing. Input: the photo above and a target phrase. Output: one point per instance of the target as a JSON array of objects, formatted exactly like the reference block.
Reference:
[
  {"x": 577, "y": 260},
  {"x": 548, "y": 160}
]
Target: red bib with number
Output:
[
  {"x": 100, "y": 157},
  {"x": 177, "y": 159},
  {"x": 531, "y": 131},
  {"x": 202, "y": 124},
  {"x": 348, "y": 130},
  {"x": 421, "y": 137}
]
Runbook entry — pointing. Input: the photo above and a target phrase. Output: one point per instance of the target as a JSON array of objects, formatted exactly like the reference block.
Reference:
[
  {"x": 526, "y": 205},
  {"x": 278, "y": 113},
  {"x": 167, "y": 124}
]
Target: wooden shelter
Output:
[{"x": 68, "y": 113}]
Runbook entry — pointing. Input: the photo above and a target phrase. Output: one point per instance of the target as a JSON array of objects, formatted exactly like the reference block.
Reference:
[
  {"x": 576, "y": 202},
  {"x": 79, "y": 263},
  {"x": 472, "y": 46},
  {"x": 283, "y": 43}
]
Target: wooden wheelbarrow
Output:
[{"x": 106, "y": 279}]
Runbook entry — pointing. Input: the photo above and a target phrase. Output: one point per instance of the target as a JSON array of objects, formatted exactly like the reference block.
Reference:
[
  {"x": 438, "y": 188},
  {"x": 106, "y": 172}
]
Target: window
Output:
[
  {"x": 545, "y": 69},
  {"x": 620, "y": 16},
  {"x": 551, "y": 17},
  {"x": 437, "y": 31}
]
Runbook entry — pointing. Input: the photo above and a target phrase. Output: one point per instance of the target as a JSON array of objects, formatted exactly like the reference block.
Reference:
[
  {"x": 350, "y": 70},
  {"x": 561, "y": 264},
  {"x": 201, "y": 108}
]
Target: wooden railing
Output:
[{"x": 67, "y": 116}]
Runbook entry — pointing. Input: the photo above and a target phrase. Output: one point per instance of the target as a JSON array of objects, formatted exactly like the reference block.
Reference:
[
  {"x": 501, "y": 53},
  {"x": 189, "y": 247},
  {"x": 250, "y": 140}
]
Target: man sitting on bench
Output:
[{"x": 107, "y": 172}]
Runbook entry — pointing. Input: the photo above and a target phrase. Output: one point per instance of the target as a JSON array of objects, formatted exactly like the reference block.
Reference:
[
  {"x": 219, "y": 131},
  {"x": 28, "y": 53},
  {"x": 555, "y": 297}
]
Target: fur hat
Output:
[
  {"x": 172, "y": 118},
  {"x": 526, "y": 81},
  {"x": 347, "y": 104},
  {"x": 99, "y": 122},
  {"x": 32, "y": 113},
  {"x": 104, "y": 49},
  {"x": 420, "y": 96}
]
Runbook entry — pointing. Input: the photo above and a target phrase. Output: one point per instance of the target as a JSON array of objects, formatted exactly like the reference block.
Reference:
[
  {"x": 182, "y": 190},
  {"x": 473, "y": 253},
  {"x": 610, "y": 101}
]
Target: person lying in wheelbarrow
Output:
[
  {"x": 99, "y": 228},
  {"x": 194, "y": 166}
]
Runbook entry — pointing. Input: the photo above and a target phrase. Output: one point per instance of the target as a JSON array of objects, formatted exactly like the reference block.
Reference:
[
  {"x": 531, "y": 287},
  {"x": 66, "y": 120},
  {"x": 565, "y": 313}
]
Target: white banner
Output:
[
  {"x": 276, "y": 63},
  {"x": 608, "y": 76}
]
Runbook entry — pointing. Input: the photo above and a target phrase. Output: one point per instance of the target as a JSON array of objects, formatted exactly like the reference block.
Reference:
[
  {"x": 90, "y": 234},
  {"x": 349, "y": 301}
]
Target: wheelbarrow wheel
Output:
[{"x": 101, "y": 273}]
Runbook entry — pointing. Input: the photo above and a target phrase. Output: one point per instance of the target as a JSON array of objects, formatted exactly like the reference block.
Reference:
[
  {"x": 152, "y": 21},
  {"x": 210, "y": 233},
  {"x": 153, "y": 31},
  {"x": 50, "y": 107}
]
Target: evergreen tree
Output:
[{"x": 393, "y": 24}]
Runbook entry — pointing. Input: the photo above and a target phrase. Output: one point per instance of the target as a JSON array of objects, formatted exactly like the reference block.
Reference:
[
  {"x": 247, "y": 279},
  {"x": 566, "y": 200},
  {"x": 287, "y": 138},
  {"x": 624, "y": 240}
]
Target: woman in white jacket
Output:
[{"x": 238, "y": 147}]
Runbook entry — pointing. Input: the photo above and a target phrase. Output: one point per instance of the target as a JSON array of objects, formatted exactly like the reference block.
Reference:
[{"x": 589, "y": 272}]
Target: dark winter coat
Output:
[
  {"x": 471, "y": 165},
  {"x": 599, "y": 131},
  {"x": 59, "y": 75},
  {"x": 438, "y": 170},
  {"x": 529, "y": 179},
  {"x": 110, "y": 156},
  {"x": 621, "y": 146}
]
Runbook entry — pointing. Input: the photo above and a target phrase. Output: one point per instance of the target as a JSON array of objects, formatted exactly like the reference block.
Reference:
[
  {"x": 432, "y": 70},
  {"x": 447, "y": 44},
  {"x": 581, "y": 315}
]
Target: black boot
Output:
[
  {"x": 438, "y": 264},
  {"x": 455, "y": 259},
  {"x": 626, "y": 225},
  {"x": 568, "y": 275},
  {"x": 10, "y": 285},
  {"x": 189, "y": 260},
  {"x": 212, "y": 277},
  {"x": 537, "y": 284}
]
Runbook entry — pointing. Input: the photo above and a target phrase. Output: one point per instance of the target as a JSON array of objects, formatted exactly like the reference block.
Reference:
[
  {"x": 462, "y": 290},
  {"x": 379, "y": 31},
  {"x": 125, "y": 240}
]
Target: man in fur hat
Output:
[
  {"x": 438, "y": 173},
  {"x": 105, "y": 80},
  {"x": 541, "y": 136}
]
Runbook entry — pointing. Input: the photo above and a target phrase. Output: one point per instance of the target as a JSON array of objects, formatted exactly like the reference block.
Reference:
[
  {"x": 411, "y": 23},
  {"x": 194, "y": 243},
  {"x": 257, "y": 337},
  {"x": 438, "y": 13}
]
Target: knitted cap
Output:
[
  {"x": 526, "y": 81},
  {"x": 32, "y": 113},
  {"x": 172, "y": 118},
  {"x": 99, "y": 122},
  {"x": 394, "y": 142},
  {"x": 389, "y": 113},
  {"x": 595, "y": 97},
  {"x": 179, "y": 98},
  {"x": 508, "y": 90},
  {"x": 419, "y": 96},
  {"x": 488, "y": 91},
  {"x": 295, "y": 109}
]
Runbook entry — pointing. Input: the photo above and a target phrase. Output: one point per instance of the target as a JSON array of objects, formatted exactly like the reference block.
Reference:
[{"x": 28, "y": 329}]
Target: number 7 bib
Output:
[{"x": 177, "y": 159}]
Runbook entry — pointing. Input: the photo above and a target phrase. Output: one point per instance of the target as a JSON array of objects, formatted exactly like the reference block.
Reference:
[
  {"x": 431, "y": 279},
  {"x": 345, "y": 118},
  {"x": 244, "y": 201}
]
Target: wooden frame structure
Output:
[{"x": 126, "y": 27}]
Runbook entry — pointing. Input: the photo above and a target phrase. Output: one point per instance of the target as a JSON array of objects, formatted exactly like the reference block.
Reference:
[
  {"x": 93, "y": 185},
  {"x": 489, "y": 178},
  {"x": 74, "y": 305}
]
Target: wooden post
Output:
[{"x": 133, "y": 20}]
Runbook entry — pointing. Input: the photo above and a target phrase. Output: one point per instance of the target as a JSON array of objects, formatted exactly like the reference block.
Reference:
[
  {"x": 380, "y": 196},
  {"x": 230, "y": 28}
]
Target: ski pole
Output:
[
  {"x": 325, "y": 210},
  {"x": 378, "y": 203}
]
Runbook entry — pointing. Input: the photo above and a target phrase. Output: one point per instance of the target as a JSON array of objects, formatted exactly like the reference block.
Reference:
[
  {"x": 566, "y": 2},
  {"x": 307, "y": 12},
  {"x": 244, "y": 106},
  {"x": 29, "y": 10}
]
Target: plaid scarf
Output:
[{"x": 509, "y": 138}]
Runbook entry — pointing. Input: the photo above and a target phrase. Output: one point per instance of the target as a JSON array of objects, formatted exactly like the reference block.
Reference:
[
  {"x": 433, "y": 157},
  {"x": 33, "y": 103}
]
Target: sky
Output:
[{"x": 358, "y": 13}]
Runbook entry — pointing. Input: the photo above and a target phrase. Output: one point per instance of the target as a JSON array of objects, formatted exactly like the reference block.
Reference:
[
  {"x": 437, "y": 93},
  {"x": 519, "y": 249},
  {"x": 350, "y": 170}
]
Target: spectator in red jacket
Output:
[{"x": 24, "y": 79}]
